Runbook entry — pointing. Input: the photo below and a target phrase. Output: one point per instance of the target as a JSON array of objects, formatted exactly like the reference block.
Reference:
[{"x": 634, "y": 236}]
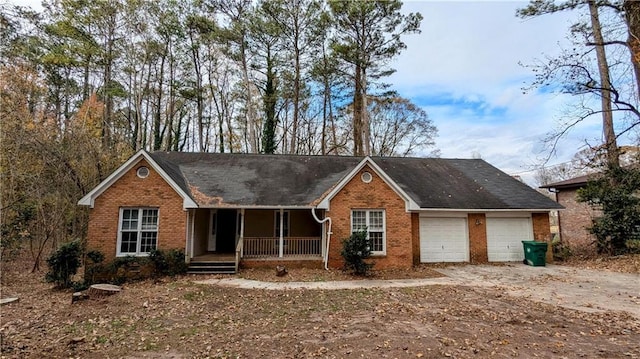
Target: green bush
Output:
[
  {"x": 355, "y": 250},
  {"x": 633, "y": 245},
  {"x": 616, "y": 195},
  {"x": 63, "y": 264},
  {"x": 96, "y": 257},
  {"x": 170, "y": 262},
  {"x": 561, "y": 251},
  {"x": 93, "y": 269},
  {"x": 131, "y": 268}
]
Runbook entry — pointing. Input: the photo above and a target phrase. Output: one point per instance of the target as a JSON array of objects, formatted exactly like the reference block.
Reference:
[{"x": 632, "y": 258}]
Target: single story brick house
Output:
[
  {"x": 264, "y": 209},
  {"x": 577, "y": 217}
]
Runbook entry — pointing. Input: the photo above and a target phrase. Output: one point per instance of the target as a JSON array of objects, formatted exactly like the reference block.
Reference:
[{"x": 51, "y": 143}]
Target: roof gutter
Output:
[{"x": 325, "y": 258}]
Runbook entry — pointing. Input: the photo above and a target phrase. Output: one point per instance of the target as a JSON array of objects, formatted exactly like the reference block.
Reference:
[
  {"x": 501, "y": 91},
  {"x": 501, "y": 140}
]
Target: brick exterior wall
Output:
[
  {"x": 132, "y": 191},
  {"x": 574, "y": 220},
  {"x": 477, "y": 224},
  {"x": 415, "y": 237},
  {"x": 374, "y": 195},
  {"x": 402, "y": 228},
  {"x": 542, "y": 232}
]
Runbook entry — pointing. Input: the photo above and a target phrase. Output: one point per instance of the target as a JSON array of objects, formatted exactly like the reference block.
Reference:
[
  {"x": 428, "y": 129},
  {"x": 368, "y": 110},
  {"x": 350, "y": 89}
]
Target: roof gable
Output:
[
  {"x": 89, "y": 198},
  {"x": 367, "y": 161}
]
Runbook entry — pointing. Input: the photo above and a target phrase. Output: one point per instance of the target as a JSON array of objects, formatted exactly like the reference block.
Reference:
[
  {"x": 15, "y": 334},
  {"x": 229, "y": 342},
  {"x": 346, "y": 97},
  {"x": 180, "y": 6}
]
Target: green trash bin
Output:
[{"x": 535, "y": 253}]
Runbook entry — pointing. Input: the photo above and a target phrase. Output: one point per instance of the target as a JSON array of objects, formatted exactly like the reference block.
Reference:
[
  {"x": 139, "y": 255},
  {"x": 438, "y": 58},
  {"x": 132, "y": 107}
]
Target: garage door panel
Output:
[
  {"x": 505, "y": 236},
  {"x": 443, "y": 240}
]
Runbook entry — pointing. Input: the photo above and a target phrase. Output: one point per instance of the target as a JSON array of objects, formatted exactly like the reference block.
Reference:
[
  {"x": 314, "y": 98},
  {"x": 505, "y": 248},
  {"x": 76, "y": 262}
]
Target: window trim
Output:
[
  {"x": 384, "y": 227},
  {"x": 139, "y": 231}
]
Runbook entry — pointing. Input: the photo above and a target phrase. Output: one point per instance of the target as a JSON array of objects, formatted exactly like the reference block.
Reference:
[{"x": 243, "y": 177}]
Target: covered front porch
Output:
[{"x": 256, "y": 234}]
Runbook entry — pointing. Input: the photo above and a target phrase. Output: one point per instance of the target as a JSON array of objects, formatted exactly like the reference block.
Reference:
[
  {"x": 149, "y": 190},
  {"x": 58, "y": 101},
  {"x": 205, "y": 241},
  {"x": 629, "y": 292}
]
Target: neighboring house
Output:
[
  {"x": 577, "y": 217},
  {"x": 262, "y": 209}
]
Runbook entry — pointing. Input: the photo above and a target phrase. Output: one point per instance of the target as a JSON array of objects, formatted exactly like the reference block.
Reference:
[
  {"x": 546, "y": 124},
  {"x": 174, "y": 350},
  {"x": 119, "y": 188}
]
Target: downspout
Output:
[{"x": 326, "y": 252}]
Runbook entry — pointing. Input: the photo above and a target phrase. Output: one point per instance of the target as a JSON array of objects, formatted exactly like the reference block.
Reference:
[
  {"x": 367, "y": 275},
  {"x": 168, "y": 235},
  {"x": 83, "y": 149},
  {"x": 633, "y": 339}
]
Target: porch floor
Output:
[{"x": 215, "y": 257}]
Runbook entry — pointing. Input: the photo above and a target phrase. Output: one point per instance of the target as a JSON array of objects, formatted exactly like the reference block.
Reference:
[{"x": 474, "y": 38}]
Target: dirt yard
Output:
[{"x": 176, "y": 318}]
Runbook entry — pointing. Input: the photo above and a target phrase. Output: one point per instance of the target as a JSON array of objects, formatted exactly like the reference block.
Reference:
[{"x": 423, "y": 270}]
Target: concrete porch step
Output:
[{"x": 212, "y": 267}]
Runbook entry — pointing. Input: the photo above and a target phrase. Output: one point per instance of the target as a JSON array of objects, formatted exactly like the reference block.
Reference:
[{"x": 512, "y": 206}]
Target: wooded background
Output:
[{"x": 87, "y": 83}]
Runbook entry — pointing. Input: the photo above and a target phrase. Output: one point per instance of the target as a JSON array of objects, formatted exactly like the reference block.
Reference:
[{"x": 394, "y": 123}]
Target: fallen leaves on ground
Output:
[{"x": 175, "y": 318}]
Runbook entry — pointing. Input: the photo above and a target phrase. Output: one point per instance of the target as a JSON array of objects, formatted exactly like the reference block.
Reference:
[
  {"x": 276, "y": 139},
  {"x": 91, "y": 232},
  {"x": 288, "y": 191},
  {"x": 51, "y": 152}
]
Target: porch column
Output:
[
  {"x": 242, "y": 232},
  {"x": 191, "y": 214},
  {"x": 281, "y": 243}
]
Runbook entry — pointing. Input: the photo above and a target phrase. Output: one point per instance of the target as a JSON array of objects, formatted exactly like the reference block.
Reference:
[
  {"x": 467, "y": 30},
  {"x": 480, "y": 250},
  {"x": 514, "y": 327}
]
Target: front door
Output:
[
  {"x": 227, "y": 229},
  {"x": 213, "y": 228}
]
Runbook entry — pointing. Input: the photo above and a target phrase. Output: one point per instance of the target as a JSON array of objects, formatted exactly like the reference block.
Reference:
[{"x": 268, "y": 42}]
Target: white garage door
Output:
[
  {"x": 444, "y": 240},
  {"x": 505, "y": 236}
]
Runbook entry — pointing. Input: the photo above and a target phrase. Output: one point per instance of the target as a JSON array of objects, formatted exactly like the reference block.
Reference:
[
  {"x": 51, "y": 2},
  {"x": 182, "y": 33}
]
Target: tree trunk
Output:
[
  {"x": 171, "y": 105},
  {"x": 605, "y": 88},
  {"x": 250, "y": 116},
  {"x": 357, "y": 113},
  {"x": 632, "y": 15},
  {"x": 270, "y": 96},
  {"x": 103, "y": 290},
  {"x": 296, "y": 96},
  {"x": 366, "y": 127},
  {"x": 157, "y": 122},
  {"x": 196, "y": 66}
]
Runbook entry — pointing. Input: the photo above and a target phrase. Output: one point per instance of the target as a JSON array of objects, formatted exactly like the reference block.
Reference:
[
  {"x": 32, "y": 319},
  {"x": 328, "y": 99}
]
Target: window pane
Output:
[
  {"x": 129, "y": 242},
  {"x": 129, "y": 219},
  {"x": 375, "y": 220},
  {"x": 376, "y": 241},
  {"x": 150, "y": 219},
  {"x": 358, "y": 220},
  {"x": 148, "y": 241}
]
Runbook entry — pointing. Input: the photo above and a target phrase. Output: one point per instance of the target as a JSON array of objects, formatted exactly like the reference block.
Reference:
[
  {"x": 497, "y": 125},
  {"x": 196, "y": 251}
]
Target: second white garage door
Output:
[
  {"x": 505, "y": 236},
  {"x": 444, "y": 240}
]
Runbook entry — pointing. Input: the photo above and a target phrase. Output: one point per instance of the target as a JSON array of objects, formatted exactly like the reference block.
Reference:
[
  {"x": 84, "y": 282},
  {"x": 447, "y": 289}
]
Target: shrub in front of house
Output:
[
  {"x": 355, "y": 250},
  {"x": 159, "y": 263},
  {"x": 93, "y": 268},
  {"x": 63, "y": 264},
  {"x": 169, "y": 262}
]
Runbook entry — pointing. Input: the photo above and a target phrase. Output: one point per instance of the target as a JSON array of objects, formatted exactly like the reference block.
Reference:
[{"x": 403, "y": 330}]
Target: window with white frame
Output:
[
  {"x": 371, "y": 221},
  {"x": 138, "y": 234}
]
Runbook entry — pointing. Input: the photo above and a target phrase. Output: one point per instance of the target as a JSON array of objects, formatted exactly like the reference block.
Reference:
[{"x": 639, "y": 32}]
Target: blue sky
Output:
[{"x": 465, "y": 70}]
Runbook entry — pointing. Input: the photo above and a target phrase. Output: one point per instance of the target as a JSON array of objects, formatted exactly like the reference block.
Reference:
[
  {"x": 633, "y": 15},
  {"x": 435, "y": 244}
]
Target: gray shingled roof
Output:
[
  {"x": 254, "y": 180},
  {"x": 214, "y": 179},
  {"x": 575, "y": 182},
  {"x": 461, "y": 183}
]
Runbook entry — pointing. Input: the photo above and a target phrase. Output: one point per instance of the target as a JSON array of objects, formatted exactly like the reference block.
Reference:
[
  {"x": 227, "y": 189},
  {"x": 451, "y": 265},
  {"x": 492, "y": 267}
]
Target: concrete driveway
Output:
[
  {"x": 570, "y": 287},
  {"x": 581, "y": 289}
]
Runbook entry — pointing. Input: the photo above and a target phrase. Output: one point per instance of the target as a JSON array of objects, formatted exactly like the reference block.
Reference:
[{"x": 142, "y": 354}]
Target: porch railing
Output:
[{"x": 269, "y": 247}]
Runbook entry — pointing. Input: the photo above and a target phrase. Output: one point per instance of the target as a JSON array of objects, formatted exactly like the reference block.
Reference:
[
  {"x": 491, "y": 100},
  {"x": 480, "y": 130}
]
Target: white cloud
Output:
[{"x": 464, "y": 68}]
